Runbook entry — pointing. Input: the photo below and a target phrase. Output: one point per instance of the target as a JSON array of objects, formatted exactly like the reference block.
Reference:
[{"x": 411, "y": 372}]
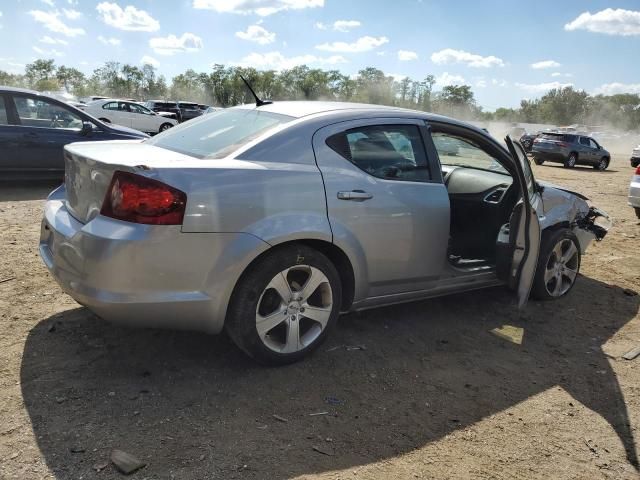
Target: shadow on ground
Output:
[{"x": 193, "y": 406}]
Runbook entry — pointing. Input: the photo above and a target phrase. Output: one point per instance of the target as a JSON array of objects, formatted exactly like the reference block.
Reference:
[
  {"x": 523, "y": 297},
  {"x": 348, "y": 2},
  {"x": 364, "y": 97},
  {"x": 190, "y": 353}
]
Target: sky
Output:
[{"x": 506, "y": 50}]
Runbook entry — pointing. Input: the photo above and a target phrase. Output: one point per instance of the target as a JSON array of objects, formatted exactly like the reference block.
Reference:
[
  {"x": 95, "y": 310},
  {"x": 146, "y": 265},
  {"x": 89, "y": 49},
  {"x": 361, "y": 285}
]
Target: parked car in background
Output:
[
  {"x": 635, "y": 156},
  {"x": 203, "y": 108},
  {"x": 188, "y": 110},
  {"x": 268, "y": 221},
  {"x": 634, "y": 191},
  {"x": 212, "y": 109},
  {"x": 527, "y": 140},
  {"x": 34, "y": 128},
  {"x": 163, "y": 107},
  {"x": 91, "y": 98},
  {"x": 570, "y": 150},
  {"x": 129, "y": 114}
]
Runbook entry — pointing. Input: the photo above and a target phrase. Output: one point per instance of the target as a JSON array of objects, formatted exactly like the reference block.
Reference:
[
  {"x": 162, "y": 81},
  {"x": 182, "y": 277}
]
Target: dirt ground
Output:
[{"x": 431, "y": 395}]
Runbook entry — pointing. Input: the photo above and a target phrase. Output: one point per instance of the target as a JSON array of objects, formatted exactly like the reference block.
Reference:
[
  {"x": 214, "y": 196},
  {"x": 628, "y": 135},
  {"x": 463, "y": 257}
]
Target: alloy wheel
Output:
[
  {"x": 294, "y": 309},
  {"x": 602, "y": 166},
  {"x": 561, "y": 268}
]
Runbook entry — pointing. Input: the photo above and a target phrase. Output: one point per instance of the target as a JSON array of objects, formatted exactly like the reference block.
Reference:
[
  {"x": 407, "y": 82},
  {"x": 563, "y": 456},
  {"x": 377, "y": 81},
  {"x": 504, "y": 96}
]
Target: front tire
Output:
[
  {"x": 602, "y": 164},
  {"x": 285, "y": 305},
  {"x": 538, "y": 161},
  {"x": 558, "y": 265},
  {"x": 164, "y": 126},
  {"x": 571, "y": 161}
]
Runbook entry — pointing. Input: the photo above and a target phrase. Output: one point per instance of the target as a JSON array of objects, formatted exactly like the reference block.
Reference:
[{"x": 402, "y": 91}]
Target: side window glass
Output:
[
  {"x": 593, "y": 144},
  {"x": 110, "y": 106},
  {"x": 4, "y": 120},
  {"x": 464, "y": 152},
  {"x": 391, "y": 152},
  {"x": 584, "y": 141},
  {"x": 36, "y": 112}
]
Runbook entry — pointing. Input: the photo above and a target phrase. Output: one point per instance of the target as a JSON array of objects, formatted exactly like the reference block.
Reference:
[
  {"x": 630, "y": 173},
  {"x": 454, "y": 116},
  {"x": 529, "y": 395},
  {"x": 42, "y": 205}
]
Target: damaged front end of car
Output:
[{"x": 564, "y": 207}]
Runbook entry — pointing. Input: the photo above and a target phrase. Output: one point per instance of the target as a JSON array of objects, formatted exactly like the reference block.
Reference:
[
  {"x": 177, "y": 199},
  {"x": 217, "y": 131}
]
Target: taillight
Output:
[
  {"x": 638, "y": 170},
  {"x": 138, "y": 199}
]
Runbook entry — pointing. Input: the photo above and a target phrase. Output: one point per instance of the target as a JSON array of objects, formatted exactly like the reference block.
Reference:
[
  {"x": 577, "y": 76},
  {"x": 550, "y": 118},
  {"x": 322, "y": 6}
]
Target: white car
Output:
[{"x": 129, "y": 114}]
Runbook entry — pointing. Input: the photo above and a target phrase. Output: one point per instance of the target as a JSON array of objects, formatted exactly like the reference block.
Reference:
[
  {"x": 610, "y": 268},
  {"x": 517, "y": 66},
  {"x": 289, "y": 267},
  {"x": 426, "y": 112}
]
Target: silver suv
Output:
[
  {"x": 570, "y": 150},
  {"x": 270, "y": 220}
]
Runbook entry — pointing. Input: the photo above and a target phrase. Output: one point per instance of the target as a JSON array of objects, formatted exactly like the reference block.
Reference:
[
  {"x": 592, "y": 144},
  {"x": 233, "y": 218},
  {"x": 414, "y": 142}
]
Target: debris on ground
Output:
[
  {"x": 323, "y": 450},
  {"x": 333, "y": 400},
  {"x": 279, "y": 418},
  {"x": 318, "y": 413},
  {"x": 98, "y": 467},
  {"x": 125, "y": 462},
  {"x": 509, "y": 333},
  {"x": 355, "y": 347},
  {"x": 631, "y": 354},
  {"x": 5, "y": 280},
  {"x": 76, "y": 449}
]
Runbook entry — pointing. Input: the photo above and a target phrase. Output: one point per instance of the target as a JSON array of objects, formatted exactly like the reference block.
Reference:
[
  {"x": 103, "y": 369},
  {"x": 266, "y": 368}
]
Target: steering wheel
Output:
[
  {"x": 55, "y": 121},
  {"x": 395, "y": 170}
]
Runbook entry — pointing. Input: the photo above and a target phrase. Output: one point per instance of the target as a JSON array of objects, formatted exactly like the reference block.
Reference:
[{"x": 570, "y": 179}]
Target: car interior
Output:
[{"x": 481, "y": 197}]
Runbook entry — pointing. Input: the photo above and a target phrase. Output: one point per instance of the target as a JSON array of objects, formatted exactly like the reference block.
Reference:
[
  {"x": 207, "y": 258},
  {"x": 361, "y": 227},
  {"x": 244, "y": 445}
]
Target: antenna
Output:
[{"x": 259, "y": 102}]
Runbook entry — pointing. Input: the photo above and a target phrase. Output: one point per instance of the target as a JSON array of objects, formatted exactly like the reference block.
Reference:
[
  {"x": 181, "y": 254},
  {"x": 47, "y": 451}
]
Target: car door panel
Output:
[
  {"x": 400, "y": 228},
  {"x": 528, "y": 236}
]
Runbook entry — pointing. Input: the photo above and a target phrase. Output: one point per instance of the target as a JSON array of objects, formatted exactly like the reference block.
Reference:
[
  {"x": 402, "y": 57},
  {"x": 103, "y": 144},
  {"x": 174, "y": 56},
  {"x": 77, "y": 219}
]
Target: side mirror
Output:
[{"x": 87, "y": 128}]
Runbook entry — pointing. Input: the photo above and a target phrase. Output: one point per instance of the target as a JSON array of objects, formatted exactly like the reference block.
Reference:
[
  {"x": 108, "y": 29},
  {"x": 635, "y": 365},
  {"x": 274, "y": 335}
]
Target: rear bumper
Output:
[
  {"x": 634, "y": 192},
  {"x": 548, "y": 156},
  {"x": 143, "y": 275}
]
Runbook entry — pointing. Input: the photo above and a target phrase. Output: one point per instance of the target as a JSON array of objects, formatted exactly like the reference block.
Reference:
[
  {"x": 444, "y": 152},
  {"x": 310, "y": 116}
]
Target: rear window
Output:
[
  {"x": 563, "y": 137},
  {"x": 218, "y": 134},
  {"x": 188, "y": 105}
]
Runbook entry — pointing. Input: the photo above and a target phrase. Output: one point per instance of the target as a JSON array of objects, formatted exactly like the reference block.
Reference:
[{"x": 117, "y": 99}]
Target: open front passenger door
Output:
[{"x": 527, "y": 235}]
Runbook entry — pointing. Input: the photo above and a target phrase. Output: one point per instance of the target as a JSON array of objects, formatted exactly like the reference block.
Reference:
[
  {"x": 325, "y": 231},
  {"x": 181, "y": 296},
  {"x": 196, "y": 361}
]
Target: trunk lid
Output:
[{"x": 89, "y": 167}]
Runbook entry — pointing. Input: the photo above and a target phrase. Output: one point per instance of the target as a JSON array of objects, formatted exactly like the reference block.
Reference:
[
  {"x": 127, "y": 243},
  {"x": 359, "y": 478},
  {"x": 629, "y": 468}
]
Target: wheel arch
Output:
[{"x": 335, "y": 254}]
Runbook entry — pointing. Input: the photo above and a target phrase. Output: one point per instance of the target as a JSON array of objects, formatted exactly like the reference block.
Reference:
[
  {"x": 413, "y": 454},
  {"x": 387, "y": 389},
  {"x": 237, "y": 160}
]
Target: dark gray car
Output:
[{"x": 570, "y": 150}]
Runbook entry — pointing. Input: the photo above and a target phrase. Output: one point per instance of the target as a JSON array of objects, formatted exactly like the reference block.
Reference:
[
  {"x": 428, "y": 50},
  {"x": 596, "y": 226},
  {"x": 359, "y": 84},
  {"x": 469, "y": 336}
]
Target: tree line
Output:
[{"x": 223, "y": 86}]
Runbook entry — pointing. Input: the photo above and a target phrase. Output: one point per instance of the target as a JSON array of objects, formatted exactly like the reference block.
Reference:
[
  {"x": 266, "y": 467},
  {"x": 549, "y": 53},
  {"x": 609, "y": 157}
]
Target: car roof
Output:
[{"x": 305, "y": 108}]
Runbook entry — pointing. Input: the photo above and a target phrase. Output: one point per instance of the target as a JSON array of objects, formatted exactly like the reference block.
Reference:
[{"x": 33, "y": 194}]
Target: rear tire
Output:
[
  {"x": 602, "y": 164},
  {"x": 571, "y": 161},
  {"x": 538, "y": 161},
  {"x": 275, "y": 330},
  {"x": 164, "y": 126},
  {"x": 558, "y": 265}
]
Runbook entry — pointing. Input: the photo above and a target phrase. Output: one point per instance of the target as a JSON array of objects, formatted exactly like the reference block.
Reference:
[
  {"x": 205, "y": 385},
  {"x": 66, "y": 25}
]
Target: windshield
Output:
[{"x": 218, "y": 134}]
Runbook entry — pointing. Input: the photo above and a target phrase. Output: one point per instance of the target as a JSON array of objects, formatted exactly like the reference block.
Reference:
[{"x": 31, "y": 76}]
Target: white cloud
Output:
[
  {"x": 339, "y": 25},
  {"x": 559, "y": 74},
  {"x": 481, "y": 83},
  {"x": 48, "y": 2},
  {"x": 148, "y": 60},
  {"x": 262, "y": 8},
  {"x": 277, "y": 61},
  {"x": 498, "y": 83},
  {"x": 53, "y": 41},
  {"x": 51, "y": 22},
  {"x": 545, "y": 64},
  {"x": 170, "y": 45},
  {"x": 114, "y": 42},
  {"x": 617, "y": 87},
  {"x": 258, "y": 34},
  {"x": 48, "y": 53},
  {"x": 407, "y": 55},
  {"x": 71, "y": 14},
  {"x": 542, "y": 87},
  {"x": 129, "y": 18},
  {"x": 448, "y": 79},
  {"x": 363, "y": 44},
  {"x": 609, "y": 21},
  {"x": 451, "y": 56}
]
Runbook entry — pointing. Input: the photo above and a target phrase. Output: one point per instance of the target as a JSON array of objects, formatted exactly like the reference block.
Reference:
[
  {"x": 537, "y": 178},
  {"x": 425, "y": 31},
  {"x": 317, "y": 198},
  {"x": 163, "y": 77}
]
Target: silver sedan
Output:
[{"x": 270, "y": 220}]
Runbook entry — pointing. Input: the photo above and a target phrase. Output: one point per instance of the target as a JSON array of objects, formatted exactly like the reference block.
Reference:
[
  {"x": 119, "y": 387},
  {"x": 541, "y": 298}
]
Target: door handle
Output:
[{"x": 358, "y": 195}]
